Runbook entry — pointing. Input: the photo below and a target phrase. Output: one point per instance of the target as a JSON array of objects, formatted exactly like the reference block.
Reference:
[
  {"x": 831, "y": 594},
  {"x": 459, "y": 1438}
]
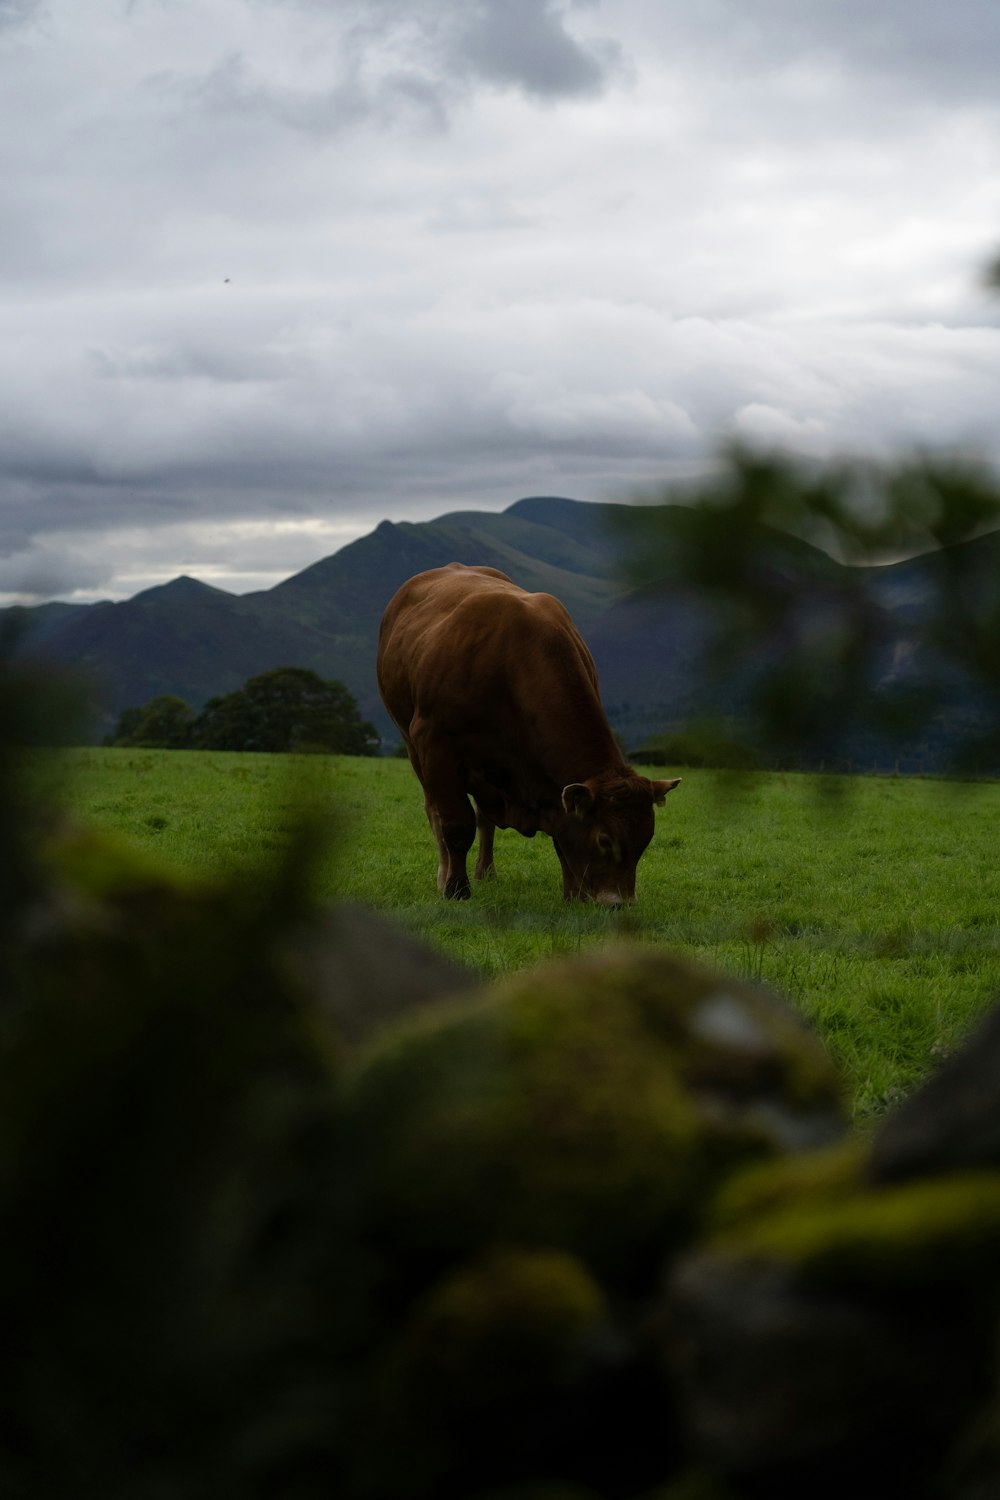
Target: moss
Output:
[
  {"x": 480, "y": 1379},
  {"x": 723, "y": 1039},
  {"x": 695, "y": 1484},
  {"x": 729, "y": 1035},
  {"x": 815, "y": 1177},
  {"x": 934, "y": 1233},
  {"x": 533, "y": 1120},
  {"x": 587, "y": 1106},
  {"x": 513, "y": 1323},
  {"x": 543, "y": 1491},
  {"x": 105, "y": 865}
]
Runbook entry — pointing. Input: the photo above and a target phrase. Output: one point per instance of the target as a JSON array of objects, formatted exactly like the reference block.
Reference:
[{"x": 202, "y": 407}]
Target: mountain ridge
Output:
[{"x": 646, "y": 628}]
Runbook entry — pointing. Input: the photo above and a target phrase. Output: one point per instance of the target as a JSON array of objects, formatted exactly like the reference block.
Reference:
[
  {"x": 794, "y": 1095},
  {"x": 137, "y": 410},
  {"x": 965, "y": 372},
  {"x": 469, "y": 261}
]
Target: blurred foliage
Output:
[
  {"x": 287, "y": 709},
  {"x": 714, "y": 743},
  {"x": 166, "y": 1118},
  {"x": 821, "y": 661},
  {"x": 34, "y": 711}
]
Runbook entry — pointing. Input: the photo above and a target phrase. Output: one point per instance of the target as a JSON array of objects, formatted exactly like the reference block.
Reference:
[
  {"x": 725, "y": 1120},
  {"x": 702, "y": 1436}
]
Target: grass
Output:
[{"x": 874, "y": 905}]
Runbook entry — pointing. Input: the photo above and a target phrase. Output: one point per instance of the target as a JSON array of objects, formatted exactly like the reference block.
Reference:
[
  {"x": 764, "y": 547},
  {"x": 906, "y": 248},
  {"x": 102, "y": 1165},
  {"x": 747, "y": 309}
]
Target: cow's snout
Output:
[{"x": 613, "y": 898}]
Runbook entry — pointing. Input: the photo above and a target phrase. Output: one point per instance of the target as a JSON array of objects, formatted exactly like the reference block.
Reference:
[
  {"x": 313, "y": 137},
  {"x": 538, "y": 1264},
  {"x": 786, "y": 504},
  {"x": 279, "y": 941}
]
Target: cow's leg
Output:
[
  {"x": 569, "y": 887},
  {"x": 435, "y": 823},
  {"x": 458, "y": 830},
  {"x": 450, "y": 815},
  {"x": 427, "y": 765},
  {"x": 485, "y": 868}
]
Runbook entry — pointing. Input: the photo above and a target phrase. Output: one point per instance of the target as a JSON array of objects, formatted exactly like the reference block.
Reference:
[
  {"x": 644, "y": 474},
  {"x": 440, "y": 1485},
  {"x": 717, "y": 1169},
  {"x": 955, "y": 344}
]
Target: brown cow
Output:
[{"x": 496, "y": 697}]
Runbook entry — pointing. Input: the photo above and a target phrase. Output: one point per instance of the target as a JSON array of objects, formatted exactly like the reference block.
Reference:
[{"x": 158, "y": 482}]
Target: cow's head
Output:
[{"x": 601, "y": 833}]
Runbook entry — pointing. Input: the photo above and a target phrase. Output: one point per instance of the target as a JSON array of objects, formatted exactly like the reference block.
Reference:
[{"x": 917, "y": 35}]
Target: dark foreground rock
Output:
[
  {"x": 836, "y": 1333},
  {"x": 952, "y": 1124},
  {"x": 366, "y": 972}
]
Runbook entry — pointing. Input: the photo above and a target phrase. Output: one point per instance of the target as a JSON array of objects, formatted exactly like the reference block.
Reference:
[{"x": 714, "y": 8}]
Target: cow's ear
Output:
[
  {"x": 578, "y": 799},
  {"x": 661, "y": 788}
]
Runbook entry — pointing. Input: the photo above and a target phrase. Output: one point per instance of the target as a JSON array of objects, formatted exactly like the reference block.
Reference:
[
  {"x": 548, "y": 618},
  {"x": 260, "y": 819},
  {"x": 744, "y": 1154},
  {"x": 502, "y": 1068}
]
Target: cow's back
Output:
[{"x": 467, "y": 644}]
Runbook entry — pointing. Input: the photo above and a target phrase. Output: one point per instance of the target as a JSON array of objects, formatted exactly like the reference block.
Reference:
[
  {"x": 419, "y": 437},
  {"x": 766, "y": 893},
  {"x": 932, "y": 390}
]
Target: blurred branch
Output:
[{"x": 843, "y": 605}]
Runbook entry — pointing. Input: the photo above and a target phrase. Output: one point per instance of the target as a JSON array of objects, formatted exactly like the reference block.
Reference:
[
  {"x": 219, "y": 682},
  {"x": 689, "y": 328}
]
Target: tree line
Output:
[{"x": 287, "y": 709}]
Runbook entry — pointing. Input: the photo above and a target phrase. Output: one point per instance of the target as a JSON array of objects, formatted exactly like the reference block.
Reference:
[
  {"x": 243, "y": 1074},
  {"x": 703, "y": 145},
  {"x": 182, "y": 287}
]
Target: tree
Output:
[
  {"x": 289, "y": 708},
  {"x": 164, "y": 723}
]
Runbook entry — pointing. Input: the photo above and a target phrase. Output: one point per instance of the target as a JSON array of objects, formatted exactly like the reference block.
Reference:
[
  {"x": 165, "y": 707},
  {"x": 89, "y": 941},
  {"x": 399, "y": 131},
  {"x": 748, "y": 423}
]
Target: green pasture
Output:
[{"x": 873, "y": 904}]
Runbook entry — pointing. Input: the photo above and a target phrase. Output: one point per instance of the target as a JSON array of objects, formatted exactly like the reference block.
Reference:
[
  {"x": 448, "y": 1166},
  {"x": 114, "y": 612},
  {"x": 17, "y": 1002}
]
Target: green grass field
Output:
[{"x": 876, "y": 911}]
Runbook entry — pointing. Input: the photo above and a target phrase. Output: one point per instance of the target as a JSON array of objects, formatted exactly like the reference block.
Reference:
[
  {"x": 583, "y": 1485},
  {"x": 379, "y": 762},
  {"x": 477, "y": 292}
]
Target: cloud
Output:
[
  {"x": 235, "y": 87},
  {"x": 919, "y": 47},
  {"x": 388, "y": 65},
  {"x": 770, "y": 427},
  {"x": 280, "y": 264},
  {"x": 17, "y": 12},
  {"x": 526, "y": 44},
  {"x": 952, "y": 50},
  {"x": 127, "y": 558},
  {"x": 243, "y": 418},
  {"x": 47, "y": 569}
]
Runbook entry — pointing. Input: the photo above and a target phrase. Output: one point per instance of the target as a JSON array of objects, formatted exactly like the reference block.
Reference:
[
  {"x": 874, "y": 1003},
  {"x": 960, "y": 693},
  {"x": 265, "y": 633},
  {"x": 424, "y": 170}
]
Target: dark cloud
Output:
[
  {"x": 950, "y": 50},
  {"x": 17, "y": 12},
  {"x": 526, "y": 44},
  {"x": 952, "y": 47}
]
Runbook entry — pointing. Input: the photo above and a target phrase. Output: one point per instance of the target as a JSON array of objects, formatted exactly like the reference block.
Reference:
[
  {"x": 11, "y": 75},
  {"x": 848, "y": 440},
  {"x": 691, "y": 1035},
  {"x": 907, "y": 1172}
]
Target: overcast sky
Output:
[{"x": 272, "y": 270}]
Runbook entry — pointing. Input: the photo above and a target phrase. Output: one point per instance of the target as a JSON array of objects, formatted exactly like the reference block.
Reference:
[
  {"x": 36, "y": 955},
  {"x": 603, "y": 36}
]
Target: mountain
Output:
[
  {"x": 192, "y": 640},
  {"x": 623, "y": 572},
  {"x": 544, "y": 543},
  {"x": 43, "y": 621}
]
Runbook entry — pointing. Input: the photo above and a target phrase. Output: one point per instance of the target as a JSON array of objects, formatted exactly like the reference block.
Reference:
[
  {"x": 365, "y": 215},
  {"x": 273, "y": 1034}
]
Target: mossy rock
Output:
[
  {"x": 951, "y": 1123},
  {"x": 812, "y": 1178},
  {"x": 974, "y": 1470},
  {"x": 694, "y": 1484},
  {"x": 944, "y": 1232},
  {"x": 835, "y": 1339},
  {"x": 102, "y": 865},
  {"x": 513, "y": 1322},
  {"x": 366, "y": 973},
  {"x": 789, "y": 1390},
  {"x": 588, "y": 1106},
  {"x": 168, "y": 1130},
  {"x": 488, "y": 1377},
  {"x": 542, "y": 1491}
]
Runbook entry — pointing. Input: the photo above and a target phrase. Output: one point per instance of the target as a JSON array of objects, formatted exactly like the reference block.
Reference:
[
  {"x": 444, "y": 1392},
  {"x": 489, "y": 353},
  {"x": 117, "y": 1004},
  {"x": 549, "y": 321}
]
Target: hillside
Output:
[
  {"x": 187, "y": 638},
  {"x": 646, "y": 626}
]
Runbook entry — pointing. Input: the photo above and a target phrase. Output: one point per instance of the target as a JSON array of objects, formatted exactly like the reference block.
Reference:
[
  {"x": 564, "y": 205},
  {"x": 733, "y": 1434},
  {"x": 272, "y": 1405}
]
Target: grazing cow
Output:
[{"x": 496, "y": 697}]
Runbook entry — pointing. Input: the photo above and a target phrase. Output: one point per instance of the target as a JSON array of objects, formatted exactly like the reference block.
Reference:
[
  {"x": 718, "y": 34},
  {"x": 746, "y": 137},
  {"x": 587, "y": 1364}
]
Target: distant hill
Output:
[
  {"x": 188, "y": 638},
  {"x": 646, "y": 628}
]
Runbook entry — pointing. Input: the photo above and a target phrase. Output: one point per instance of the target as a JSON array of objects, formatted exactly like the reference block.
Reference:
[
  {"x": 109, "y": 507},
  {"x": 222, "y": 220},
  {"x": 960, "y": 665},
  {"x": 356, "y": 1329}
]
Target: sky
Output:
[{"x": 274, "y": 270}]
